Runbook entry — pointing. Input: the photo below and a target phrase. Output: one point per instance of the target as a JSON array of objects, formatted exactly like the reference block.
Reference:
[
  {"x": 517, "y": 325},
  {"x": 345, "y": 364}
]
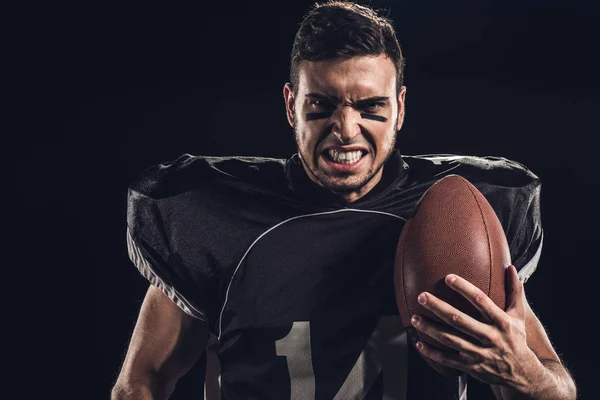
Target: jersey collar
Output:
[{"x": 394, "y": 175}]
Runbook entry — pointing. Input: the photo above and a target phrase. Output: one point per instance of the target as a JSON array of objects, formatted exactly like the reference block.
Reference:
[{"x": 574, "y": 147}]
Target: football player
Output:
[{"x": 282, "y": 270}]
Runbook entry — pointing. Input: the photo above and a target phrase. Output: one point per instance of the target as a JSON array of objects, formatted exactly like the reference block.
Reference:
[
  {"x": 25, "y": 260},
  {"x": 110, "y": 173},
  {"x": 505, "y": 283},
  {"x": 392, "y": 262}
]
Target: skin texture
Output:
[
  {"x": 509, "y": 349},
  {"x": 328, "y": 110},
  {"x": 165, "y": 344}
]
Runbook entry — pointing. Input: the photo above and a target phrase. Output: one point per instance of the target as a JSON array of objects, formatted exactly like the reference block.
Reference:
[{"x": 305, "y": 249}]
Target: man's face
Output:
[{"x": 345, "y": 115}]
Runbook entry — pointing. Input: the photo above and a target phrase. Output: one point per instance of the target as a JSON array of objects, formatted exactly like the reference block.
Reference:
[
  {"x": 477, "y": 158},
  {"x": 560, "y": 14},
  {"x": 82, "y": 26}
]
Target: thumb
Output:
[{"x": 515, "y": 295}]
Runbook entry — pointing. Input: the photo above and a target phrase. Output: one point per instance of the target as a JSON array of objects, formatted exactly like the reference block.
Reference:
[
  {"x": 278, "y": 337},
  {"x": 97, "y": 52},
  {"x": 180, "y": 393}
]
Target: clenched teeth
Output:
[{"x": 348, "y": 157}]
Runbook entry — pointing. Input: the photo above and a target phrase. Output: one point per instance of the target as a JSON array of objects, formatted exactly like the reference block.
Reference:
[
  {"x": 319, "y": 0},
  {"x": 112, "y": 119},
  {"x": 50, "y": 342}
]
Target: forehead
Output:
[{"x": 356, "y": 76}]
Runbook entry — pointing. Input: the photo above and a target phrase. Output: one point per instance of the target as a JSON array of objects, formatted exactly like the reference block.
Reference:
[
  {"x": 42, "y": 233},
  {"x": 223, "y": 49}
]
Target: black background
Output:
[{"x": 95, "y": 92}]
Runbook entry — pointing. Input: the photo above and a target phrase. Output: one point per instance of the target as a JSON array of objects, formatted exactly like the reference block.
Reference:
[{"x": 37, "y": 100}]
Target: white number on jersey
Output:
[{"x": 385, "y": 352}]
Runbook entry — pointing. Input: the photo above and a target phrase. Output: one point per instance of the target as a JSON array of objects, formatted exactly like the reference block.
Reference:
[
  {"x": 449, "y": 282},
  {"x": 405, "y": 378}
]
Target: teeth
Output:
[{"x": 341, "y": 157}]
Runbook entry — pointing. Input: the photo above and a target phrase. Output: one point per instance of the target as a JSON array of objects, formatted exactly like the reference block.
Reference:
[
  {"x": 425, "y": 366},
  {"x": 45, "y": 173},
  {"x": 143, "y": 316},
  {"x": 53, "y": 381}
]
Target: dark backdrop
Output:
[{"x": 94, "y": 92}]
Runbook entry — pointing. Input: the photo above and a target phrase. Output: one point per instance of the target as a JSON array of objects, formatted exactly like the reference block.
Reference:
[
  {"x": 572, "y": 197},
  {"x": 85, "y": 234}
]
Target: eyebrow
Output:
[
  {"x": 320, "y": 96},
  {"x": 372, "y": 99}
]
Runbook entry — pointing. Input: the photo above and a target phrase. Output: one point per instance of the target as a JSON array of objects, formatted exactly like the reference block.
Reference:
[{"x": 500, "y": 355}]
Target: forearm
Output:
[
  {"x": 149, "y": 388},
  {"x": 552, "y": 382},
  {"x": 127, "y": 391}
]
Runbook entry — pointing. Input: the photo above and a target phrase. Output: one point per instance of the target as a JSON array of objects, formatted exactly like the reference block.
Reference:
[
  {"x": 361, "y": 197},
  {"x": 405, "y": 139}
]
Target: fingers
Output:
[
  {"x": 458, "y": 360},
  {"x": 478, "y": 298},
  {"x": 515, "y": 296},
  {"x": 444, "y": 335},
  {"x": 454, "y": 317}
]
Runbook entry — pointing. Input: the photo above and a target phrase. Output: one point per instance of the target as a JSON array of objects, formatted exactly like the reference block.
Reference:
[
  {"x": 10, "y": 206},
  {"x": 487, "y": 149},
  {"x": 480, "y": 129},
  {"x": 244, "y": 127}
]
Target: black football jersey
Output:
[{"x": 296, "y": 286}]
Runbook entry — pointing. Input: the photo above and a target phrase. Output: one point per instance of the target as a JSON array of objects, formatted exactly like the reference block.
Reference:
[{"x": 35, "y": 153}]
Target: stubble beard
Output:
[{"x": 342, "y": 183}]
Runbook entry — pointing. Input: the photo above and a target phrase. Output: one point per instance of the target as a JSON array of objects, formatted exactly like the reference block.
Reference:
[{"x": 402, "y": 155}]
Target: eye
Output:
[
  {"x": 373, "y": 106},
  {"x": 320, "y": 104}
]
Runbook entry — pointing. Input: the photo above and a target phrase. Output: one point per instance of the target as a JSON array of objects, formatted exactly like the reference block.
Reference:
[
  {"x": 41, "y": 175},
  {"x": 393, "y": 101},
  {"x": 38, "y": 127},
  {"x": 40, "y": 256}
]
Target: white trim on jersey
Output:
[
  {"x": 528, "y": 269},
  {"x": 439, "y": 158},
  {"x": 278, "y": 225},
  {"x": 446, "y": 170},
  {"x": 145, "y": 268},
  {"x": 462, "y": 387}
]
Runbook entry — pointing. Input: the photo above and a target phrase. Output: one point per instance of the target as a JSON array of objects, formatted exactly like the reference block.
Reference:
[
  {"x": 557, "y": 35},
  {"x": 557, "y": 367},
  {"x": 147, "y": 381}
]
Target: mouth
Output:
[{"x": 344, "y": 159}]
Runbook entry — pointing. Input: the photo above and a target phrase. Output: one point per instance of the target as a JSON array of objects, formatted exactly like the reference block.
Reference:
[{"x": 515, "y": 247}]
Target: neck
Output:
[
  {"x": 349, "y": 197},
  {"x": 354, "y": 196}
]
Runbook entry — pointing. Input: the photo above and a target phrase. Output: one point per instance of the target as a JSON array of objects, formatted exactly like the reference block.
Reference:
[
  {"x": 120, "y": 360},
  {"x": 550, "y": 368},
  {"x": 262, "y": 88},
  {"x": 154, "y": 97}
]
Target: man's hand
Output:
[{"x": 495, "y": 351}]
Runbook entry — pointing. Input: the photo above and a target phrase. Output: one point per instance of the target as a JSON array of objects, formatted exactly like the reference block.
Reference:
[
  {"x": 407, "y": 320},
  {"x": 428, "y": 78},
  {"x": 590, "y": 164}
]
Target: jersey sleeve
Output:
[
  {"x": 514, "y": 192},
  {"x": 149, "y": 250},
  {"x": 526, "y": 245}
]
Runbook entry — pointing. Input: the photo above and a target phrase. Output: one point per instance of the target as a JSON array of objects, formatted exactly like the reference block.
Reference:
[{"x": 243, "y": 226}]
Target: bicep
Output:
[{"x": 165, "y": 343}]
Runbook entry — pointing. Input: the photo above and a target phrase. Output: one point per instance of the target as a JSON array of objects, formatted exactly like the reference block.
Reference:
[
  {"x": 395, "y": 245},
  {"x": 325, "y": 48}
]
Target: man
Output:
[{"x": 288, "y": 264}]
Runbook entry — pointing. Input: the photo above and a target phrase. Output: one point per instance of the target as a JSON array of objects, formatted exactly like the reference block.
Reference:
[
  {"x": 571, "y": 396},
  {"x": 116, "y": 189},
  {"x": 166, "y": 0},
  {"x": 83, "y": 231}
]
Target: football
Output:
[{"x": 453, "y": 230}]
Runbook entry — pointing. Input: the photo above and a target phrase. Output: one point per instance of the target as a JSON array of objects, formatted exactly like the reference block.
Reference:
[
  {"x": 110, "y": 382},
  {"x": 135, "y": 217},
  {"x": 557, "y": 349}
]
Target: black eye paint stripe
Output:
[
  {"x": 373, "y": 117},
  {"x": 318, "y": 115},
  {"x": 324, "y": 115}
]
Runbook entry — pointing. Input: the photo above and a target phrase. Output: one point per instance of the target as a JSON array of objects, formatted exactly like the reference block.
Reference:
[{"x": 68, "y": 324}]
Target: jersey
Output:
[{"x": 297, "y": 286}]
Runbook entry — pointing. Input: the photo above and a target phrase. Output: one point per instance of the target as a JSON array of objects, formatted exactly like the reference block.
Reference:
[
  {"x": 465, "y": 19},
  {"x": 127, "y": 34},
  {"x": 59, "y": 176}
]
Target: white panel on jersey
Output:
[
  {"x": 528, "y": 269},
  {"x": 439, "y": 158},
  {"x": 462, "y": 387},
  {"x": 135, "y": 255}
]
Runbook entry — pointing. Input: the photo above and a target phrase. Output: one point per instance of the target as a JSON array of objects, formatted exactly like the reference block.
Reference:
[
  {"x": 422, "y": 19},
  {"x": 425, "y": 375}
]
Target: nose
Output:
[{"x": 345, "y": 123}]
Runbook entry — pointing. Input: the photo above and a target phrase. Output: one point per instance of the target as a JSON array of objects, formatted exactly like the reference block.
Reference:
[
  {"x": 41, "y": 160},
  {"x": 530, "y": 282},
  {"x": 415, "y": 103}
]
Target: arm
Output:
[
  {"x": 554, "y": 381},
  {"x": 165, "y": 344},
  {"x": 508, "y": 349}
]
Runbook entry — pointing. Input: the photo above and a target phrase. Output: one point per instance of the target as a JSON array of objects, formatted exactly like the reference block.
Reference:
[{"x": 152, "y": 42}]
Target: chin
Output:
[{"x": 346, "y": 187}]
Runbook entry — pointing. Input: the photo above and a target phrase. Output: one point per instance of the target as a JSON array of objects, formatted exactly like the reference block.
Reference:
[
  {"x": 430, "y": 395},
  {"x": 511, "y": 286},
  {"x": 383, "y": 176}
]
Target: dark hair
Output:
[{"x": 340, "y": 29}]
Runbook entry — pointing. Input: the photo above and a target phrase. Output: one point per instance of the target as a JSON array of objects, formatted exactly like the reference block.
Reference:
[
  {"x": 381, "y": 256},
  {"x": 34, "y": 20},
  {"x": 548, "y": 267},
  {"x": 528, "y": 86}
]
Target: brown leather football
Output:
[{"x": 453, "y": 230}]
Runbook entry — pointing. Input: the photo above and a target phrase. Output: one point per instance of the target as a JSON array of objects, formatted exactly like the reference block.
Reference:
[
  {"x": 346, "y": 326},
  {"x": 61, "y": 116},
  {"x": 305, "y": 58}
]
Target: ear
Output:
[
  {"x": 288, "y": 97},
  {"x": 401, "y": 108}
]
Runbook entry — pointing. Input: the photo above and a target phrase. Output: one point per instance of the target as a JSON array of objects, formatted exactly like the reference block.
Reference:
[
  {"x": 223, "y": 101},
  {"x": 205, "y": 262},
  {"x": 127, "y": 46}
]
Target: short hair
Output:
[{"x": 340, "y": 29}]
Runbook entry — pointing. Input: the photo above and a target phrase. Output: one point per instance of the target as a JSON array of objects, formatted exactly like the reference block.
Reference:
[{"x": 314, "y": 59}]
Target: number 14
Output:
[{"x": 385, "y": 351}]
